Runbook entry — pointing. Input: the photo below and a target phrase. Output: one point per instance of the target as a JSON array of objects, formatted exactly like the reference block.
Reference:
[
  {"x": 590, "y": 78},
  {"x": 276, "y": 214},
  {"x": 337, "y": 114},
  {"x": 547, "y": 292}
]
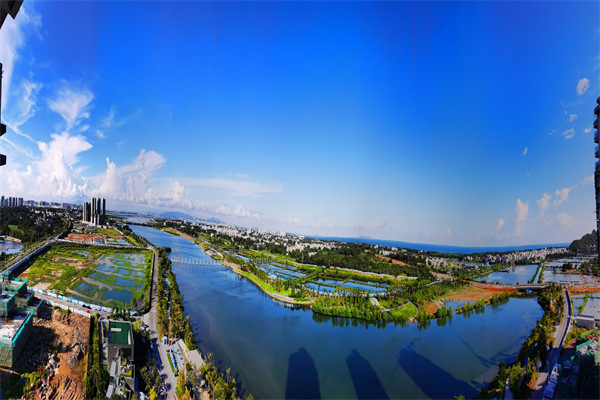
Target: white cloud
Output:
[
  {"x": 12, "y": 39},
  {"x": 525, "y": 151},
  {"x": 572, "y": 117},
  {"x": 587, "y": 180},
  {"x": 238, "y": 211},
  {"x": 562, "y": 195},
  {"x": 521, "y": 211},
  {"x": 130, "y": 182},
  {"x": 55, "y": 174},
  {"x": 71, "y": 102},
  {"x": 587, "y": 130},
  {"x": 569, "y": 133},
  {"x": 110, "y": 121},
  {"x": 565, "y": 220},
  {"x": 544, "y": 203},
  {"x": 377, "y": 225},
  {"x": 582, "y": 86},
  {"x": 500, "y": 224},
  {"x": 294, "y": 221},
  {"x": 236, "y": 187}
]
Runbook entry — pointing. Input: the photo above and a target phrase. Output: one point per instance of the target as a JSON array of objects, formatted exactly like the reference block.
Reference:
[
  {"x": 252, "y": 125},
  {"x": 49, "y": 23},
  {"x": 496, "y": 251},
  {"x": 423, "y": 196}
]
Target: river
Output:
[{"x": 278, "y": 352}]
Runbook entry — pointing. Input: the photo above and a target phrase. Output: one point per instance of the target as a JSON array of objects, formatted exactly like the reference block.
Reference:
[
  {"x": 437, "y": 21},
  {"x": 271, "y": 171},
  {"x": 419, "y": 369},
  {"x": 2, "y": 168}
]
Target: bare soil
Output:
[
  {"x": 397, "y": 262},
  {"x": 72, "y": 330},
  {"x": 472, "y": 293}
]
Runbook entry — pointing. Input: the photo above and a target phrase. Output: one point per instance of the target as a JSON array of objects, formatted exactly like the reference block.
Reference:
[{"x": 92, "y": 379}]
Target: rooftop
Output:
[
  {"x": 120, "y": 332},
  {"x": 11, "y": 325}
]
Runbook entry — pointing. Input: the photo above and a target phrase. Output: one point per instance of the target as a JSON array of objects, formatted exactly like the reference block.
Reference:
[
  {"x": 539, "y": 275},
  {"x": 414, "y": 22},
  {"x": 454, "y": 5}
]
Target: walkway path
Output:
[
  {"x": 150, "y": 319},
  {"x": 561, "y": 333}
]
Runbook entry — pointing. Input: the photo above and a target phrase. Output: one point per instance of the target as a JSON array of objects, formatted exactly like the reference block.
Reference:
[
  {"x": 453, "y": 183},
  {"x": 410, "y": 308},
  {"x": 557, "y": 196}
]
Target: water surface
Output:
[{"x": 279, "y": 352}]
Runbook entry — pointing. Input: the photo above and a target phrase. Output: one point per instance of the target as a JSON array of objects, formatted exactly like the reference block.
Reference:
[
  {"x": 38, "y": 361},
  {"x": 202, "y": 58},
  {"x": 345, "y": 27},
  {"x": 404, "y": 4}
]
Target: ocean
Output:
[{"x": 438, "y": 247}]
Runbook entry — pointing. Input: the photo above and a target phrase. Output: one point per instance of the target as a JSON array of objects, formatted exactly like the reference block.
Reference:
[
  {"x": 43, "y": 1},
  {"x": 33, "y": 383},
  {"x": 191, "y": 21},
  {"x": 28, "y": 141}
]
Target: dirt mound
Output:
[
  {"x": 68, "y": 388},
  {"x": 77, "y": 354}
]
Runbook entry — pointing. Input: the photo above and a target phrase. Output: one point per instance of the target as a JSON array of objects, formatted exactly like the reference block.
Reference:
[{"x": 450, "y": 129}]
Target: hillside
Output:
[{"x": 588, "y": 242}]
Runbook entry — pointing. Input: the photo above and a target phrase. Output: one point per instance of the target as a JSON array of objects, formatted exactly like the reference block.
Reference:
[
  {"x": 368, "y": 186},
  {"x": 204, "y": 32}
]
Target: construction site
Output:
[{"x": 17, "y": 308}]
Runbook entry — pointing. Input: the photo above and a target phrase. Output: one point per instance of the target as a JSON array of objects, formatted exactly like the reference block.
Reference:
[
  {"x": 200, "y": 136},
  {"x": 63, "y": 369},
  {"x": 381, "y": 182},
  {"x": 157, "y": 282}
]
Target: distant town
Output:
[{"x": 90, "y": 263}]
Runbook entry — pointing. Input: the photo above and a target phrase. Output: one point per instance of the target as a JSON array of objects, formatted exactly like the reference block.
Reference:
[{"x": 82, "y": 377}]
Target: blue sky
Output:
[{"x": 463, "y": 123}]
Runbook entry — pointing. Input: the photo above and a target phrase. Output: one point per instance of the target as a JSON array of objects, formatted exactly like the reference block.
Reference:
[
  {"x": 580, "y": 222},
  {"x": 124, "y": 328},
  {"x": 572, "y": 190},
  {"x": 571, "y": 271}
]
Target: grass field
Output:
[
  {"x": 15, "y": 229},
  {"x": 98, "y": 275},
  {"x": 406, "y": 311}
]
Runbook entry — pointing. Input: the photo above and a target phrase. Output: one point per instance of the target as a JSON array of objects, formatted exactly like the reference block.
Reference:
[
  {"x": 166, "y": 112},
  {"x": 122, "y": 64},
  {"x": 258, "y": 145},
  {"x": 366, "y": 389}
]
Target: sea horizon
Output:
[{"x": 450, "y": 249}]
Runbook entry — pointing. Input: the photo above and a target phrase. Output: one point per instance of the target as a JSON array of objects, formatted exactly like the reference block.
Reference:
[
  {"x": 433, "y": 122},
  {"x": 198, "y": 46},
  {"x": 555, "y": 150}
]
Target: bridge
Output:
[
  {"x": 531, "y": 286},
  {"x": 195, "y": 262}
]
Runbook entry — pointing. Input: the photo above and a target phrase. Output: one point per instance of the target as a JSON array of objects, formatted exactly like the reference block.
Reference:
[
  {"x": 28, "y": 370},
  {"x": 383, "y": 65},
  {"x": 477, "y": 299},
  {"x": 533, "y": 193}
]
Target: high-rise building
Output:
[
  {"x": 94, "y": 212},
  {"x": 597, "y": 175}
]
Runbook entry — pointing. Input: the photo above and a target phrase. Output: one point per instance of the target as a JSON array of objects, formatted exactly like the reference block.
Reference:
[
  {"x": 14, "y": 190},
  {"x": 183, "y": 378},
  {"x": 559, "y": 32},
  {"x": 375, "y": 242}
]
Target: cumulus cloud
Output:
[
  {"x": 562, "y": 195},
  {"x": 55, "y": 173},
  {"x": 237, "y": 211},
  {"x": 544, "y": 203},
  {"x": 130, "y": 183},
  {"x": 521, "y": 211},
  {"x": 569, "y": 133},
  {"x": 500, "y": 224},
  {"x": 71, "y": 101},
  {"x": 525, "y": 151},
  {"x": 572, "y": 117},
  {"x": 587, "y": 130},
  {"x": 582, "y": 86}
]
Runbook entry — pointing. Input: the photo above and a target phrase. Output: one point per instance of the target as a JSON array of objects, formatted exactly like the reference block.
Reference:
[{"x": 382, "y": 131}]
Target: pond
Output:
[
  {"x": 118, "y": 295},
  {"x": 512, "y": 275}
]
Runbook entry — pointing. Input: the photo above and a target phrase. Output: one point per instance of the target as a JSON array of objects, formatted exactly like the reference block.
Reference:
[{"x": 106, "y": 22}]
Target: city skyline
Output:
[{"x": 463, "y": 124}]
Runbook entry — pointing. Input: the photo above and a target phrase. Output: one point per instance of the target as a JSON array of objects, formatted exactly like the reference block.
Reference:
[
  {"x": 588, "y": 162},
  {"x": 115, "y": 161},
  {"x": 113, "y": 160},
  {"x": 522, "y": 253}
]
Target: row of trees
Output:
[
  {"x": 96, "y": 378},
  {"x": 533, "y": 349},
  {"x": 171, "y": 319}
]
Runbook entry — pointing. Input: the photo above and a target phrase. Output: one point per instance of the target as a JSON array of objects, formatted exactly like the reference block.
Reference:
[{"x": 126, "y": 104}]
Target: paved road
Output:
[
  {"x": 103, "y": 314},
  {"x": 169, "y": 380},
  {"x": 561, "y": 333}
]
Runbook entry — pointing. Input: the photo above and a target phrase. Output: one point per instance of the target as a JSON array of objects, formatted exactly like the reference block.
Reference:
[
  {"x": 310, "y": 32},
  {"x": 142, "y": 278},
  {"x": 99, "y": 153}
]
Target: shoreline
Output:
[{"x": 237, "y": 270}]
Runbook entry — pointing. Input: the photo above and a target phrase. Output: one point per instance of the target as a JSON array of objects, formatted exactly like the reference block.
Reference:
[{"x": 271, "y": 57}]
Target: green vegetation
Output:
[
  {"x": 533, "y": 350},
  {"x": 171, "y": 319},
  {"x": 96, "y": 378},
  {"x": 585, "y": 300},
  {"x": 23, "y": 223},
  {"x": 352, "y": 306},
  {"x": 220, "y": 387},
  {"x": 539, "y": 272},
  {"x": 90, "y": 271},
  {"x": 480, "y": 305}
]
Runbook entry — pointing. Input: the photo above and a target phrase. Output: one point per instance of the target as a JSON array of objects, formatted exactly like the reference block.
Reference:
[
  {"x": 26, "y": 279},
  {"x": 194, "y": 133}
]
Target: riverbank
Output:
[{"x": 237, "y": 269}]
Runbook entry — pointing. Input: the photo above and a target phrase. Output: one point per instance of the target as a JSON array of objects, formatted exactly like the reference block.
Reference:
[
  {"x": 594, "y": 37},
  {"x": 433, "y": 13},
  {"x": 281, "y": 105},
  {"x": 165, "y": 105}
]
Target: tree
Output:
[{"x": 152, "y": 395}]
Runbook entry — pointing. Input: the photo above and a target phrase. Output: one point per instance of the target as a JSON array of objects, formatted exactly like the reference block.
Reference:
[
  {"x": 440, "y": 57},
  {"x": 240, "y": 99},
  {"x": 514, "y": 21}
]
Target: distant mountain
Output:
[
  {"x": 176, "y": 214},
  {"x": 180, "y": 215},
  {"x": 588, "y": 242}
]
